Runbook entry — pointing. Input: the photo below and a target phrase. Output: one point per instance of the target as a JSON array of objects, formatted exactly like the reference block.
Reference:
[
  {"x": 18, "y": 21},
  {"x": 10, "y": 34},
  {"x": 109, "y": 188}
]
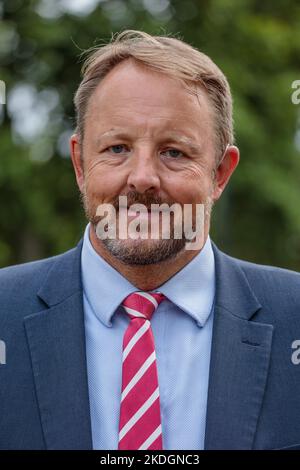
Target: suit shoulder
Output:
[
  {"x": 275, "y": 287},
  {"x": 17, "y": 282},
  {"x": 268, "y": 272},
  {"x": 20, "y": 270},
  {"x": 32, "y": 269}
]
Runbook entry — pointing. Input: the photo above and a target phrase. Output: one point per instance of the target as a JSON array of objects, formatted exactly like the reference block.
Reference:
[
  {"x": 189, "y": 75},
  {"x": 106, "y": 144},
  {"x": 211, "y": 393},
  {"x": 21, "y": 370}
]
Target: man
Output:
[{"x": 142, "y": 343}]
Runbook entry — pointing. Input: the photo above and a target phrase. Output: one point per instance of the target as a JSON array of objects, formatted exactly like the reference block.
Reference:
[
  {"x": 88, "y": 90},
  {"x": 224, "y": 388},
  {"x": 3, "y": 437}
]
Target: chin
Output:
[{"x": 144, "y": 252}]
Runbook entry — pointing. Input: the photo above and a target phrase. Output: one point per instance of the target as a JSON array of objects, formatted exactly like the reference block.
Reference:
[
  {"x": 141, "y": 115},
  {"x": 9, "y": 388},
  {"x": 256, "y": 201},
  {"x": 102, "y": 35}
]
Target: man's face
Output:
[{"x": 146, "y": 137}]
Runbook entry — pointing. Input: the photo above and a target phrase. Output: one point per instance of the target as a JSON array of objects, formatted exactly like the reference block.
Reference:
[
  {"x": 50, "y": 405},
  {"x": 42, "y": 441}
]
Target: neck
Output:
[{"x": 146, "y": 277}]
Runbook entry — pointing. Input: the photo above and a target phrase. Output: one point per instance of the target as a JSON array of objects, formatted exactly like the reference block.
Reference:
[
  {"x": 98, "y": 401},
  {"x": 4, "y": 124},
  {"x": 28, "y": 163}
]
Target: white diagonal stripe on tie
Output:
[
  {"x": 139, "y": 414},
  {"x": 138, "y": 375},
  {"x": 151, "y": 438},
  {"x": 135, "y": 338},
  {"x": 133, "y": 312},
  {"x": 149, "y": 297}
]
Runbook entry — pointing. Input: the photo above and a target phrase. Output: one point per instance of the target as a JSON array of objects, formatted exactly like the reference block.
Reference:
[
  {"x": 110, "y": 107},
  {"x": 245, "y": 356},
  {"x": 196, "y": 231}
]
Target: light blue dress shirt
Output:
[{"x": 182, "y": 329}]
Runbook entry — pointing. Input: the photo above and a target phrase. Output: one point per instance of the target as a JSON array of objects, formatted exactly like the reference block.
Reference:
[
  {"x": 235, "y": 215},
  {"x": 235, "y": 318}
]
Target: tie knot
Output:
[{"x": 142, "y": 304}]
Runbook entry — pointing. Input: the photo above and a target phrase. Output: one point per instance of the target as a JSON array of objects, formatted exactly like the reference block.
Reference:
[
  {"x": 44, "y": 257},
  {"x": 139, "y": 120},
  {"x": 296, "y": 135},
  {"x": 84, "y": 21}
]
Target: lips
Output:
[{"x": 132, "y": 214}]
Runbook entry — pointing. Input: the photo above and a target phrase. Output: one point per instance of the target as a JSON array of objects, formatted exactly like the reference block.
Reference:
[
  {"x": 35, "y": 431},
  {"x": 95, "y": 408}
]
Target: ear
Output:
[
  {"x": 75, "y": 149},
  {"x": 225, "y": 169}
]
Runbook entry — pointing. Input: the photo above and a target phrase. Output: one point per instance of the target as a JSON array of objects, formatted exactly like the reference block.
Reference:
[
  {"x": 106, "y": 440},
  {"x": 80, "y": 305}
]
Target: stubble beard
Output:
[{"x": 142, "y": 252}]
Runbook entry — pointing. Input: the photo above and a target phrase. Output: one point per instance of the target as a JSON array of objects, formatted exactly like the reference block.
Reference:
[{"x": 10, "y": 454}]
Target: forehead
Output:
[{"x": 135, "y": 96}]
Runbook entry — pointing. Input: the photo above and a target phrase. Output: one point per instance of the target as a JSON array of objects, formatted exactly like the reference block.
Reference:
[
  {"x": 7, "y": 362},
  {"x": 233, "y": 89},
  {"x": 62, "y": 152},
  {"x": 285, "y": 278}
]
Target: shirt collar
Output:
[{"x": 192, "y": 288}]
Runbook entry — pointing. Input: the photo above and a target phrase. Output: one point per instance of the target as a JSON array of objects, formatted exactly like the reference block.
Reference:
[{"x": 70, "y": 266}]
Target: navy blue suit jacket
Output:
[{"x": 254, "y": 387}]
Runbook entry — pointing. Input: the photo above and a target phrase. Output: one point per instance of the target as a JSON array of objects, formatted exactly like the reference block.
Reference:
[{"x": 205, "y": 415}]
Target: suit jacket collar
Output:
[
  {"x": 63, "y": 279},
  {"x": 233, "y": 291}
]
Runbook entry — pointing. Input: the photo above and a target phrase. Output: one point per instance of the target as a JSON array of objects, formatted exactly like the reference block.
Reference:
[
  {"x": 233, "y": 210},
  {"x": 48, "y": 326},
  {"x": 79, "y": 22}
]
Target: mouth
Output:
[{"x": 132, "y": 214}]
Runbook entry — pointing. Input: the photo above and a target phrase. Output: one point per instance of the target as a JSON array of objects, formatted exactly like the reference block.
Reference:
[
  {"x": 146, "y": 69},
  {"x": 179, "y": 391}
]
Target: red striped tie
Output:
[{"x": 140, "y": 421}]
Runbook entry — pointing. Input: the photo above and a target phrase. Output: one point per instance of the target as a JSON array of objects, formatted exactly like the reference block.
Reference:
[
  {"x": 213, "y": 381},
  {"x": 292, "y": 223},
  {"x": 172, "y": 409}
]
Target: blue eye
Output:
[
  {"x": 174, "y": 153},
  {"x": 116, "y": 148}
]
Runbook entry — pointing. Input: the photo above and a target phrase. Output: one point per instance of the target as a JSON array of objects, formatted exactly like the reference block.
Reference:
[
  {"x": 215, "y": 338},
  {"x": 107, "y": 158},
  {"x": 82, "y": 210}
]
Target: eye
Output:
[
  {"x": 118, "y": 148},
  {"x": 174, "y": 153}
]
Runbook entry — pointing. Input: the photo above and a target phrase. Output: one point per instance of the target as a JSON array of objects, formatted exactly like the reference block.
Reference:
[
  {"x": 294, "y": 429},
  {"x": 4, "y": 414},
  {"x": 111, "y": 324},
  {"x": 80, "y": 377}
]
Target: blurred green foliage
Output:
[{"x": 256, "y": 44}]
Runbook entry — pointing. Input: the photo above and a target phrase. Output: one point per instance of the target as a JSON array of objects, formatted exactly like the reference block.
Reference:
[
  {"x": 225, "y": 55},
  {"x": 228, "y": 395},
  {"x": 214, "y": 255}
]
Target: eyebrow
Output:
[
  {"x": 182, "y": 139},
  {"x": 112, "y": 133},
  {"x": 174, "y": 136}
]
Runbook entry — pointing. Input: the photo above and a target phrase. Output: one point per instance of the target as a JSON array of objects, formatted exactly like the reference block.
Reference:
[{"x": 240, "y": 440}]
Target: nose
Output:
[{"x": 143, "y": 175}]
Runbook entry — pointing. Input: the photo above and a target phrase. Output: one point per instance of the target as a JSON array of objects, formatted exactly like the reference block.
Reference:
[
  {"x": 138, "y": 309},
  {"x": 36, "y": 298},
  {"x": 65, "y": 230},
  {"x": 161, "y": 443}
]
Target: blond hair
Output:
[{"x": 167, "y": 55}]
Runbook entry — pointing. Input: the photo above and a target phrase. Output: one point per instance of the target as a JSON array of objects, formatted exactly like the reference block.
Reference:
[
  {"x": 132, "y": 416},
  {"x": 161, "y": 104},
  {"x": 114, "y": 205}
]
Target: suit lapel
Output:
[
  {"x": 239, "y": 361},
  {"x": 56, "y": 341}
]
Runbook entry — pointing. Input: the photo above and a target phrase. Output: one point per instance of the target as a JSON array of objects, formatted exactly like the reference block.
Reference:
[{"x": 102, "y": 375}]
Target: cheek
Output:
[
  {"x": 102, "y": 184},
  {"x": 189, "y": 189}
]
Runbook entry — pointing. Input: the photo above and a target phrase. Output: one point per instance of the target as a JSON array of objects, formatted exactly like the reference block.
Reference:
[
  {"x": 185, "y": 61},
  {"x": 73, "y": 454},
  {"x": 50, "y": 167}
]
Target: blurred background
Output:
[{"x": 257, "y": 45}]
